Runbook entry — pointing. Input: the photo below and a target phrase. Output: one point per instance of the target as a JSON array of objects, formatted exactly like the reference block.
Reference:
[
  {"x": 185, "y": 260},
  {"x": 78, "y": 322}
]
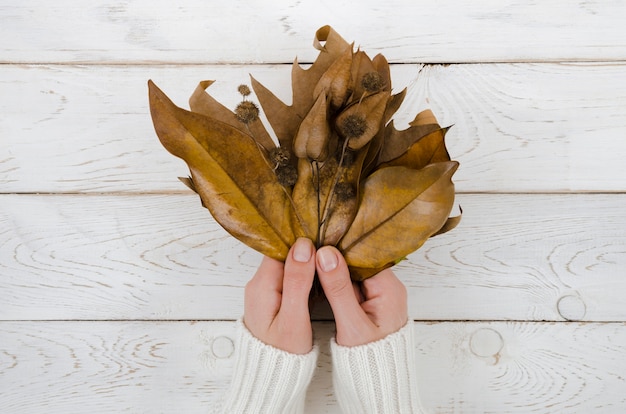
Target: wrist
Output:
[
  {"x": 377, "y": 377},
  {"x": 268, "y": 379}
]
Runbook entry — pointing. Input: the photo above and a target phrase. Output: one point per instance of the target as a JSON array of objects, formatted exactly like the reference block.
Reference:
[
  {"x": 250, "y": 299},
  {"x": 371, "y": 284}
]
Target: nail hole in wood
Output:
[
  {"x": 571, "y": 308},
  {"x": 487, "y": 343},
  {"x": 222, "y": 347}
]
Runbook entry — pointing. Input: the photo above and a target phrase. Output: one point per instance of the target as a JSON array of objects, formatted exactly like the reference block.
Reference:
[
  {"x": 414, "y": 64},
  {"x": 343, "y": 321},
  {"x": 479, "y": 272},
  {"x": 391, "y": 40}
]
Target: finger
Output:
[
  {"x": 269, "y": 274},
  {"x": 298, "y": 278},
  {"x": 386, "y": 301},
  {"x": 358, "y": 293},
  {"x": 262, "y": 292},
  {"x": 385, "y": 282},
  {"x": 335, "y": 280}
]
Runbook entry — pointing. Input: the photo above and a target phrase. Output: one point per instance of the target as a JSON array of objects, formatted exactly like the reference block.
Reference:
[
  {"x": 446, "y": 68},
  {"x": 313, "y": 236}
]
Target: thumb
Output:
[
  {"x": 335, "y": 279},
  {"x": 298, "y": 278}
]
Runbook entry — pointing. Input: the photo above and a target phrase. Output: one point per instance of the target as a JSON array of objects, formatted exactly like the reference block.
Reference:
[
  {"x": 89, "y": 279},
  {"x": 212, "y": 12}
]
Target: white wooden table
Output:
[{"x": 118, "y": 291}]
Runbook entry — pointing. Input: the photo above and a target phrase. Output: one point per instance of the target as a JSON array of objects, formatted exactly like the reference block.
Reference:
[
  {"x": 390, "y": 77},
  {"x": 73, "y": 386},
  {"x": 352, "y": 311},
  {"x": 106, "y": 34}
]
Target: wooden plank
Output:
[
  {"x": 250, "y": 31},
  {"x": 162, "y": 367},
  {"x": 517, "y": 128},
  {"x": 513, "y": 257}
]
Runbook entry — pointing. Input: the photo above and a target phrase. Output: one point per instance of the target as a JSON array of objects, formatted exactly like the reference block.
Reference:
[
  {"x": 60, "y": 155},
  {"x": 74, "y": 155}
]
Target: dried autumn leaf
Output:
[
  {"x": 450, "y": 224},
  {"x": 424, "y": 143},
  {"x": 314, "y": 133},
  {"x": 285, "y": 119},
  {"x": 423, "y": 118},
  {"x": 382, "y": 67},
  {"x": 229, "y": 173},
  {"x": 341, "y": 207},
  {"x": 362, "y": 68},
  {"x": 400, "y": 209},
  {"x": 341, "y": 175},
  {"x": 203, "y": 103},
  {"x": 371, "y": 110},
  {"x": 335, "y": 82},
  {"x": 307, "y": 198}
]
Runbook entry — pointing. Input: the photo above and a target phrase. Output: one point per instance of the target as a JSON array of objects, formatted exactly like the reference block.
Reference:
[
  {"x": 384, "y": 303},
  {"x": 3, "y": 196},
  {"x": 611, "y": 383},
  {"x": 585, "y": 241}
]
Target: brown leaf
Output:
[
  {"x": 375, "y": 146},
  {"x": 335, "y": 82},
  {"x": 203, "y": 103},
  {"x": 230, "y": 173},
  {"x": 427, "y": 149},
  {"x": 400, "y": 209},
  {"x": 398, "y": 142},
  {"x": 423, "y": 118},
  {"x": 382, "y": 67},
  {"x": 284, "y": 118},
  {"x": 305, "y": 197},
  {"x": 342, "y": 206},
  {"x": 361, "y": 66},
  {"x": 393, "y": 105},
  {"x": 371, "y": 110},
  {"x": 312, "y": 138},
  {"x": 359, "y": 274},
  {"x": 450, "y": 224}
]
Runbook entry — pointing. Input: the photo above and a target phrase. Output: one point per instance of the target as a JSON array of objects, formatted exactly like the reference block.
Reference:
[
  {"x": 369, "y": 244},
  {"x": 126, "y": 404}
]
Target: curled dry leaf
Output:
[
  {"x": 340, "y": 173},
  {"x": 242, "y": 192},
  {"x": 388, "y": 228},
  {"x": 311, "y": 141}
]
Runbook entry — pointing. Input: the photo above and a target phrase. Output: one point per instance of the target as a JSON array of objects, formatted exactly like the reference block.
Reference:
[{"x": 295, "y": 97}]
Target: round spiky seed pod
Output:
[
  {"x": 244, "y": 90},
  {"x": 353, "y": 126},
  {"x": 372, "y": 82},
  {"x": 279, "y": 156},
  {"x": 345, "y": 191},
  {"x": 247, "y": 112},
  {"x": 287, "y": 175}
]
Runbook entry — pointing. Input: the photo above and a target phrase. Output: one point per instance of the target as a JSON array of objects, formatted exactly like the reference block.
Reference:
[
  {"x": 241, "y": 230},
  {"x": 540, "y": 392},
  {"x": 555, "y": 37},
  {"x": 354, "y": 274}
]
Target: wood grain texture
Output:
[
  {"x": 513, "y": 257},
  {"x": 165, "y": 367},
  {"x": 118, "y": 290},
  {"x": 240, "y": 31},
  {"x": 517, "y": 127}
]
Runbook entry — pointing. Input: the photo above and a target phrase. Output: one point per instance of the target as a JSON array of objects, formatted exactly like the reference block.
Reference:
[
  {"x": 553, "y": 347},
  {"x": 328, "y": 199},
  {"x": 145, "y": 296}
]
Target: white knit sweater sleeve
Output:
[
  {"x": 379, "y": 377},
  {"x": 267, "y": 379}
]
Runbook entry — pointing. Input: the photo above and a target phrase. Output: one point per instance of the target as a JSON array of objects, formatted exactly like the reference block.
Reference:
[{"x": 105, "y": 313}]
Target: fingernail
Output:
[
  {"x": 327, "y": 259},
  {"x": 302, "y": 251}
]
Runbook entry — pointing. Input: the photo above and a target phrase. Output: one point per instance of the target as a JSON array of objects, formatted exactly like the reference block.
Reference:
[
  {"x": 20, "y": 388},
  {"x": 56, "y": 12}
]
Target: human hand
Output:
[
  {"x": 276, "y": 301},
  {"x": 364, "y": 312}
]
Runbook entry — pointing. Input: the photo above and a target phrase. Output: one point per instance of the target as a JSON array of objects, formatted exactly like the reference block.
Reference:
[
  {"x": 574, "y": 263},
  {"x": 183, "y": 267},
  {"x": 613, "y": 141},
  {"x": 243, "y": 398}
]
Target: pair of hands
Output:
[{"x": 276, "y": 308}]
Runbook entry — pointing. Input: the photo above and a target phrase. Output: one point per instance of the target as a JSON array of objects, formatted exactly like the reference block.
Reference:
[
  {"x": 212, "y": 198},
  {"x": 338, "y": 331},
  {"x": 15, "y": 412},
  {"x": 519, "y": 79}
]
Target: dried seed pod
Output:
[
  {"x": 371, "y": 109},
  {"x": 353, "y": 125},
  {"x": 247, "y": 112},
  {"x": 287, "y": 175},
  {"x": 279, "y": 156},
  {"x": 244, "y": 90},
  {"x": 372, "y": 82},
  {"x": 345, "y": 191}
]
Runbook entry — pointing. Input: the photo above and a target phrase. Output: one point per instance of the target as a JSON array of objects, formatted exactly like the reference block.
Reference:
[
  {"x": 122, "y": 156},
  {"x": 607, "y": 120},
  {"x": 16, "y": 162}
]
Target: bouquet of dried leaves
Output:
[{"x": 340, "y": 174}]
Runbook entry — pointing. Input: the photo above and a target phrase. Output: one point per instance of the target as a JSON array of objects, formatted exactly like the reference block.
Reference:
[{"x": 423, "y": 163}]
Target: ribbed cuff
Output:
[
  {"x": 267, "y": 379},
  {"x": 379, "y": 377}
]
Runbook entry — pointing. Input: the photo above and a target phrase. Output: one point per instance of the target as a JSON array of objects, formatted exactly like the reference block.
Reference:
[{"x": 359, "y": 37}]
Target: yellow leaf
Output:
[
  {"x": 230, "y": 173},
  {"x": 400, "y": 209}
]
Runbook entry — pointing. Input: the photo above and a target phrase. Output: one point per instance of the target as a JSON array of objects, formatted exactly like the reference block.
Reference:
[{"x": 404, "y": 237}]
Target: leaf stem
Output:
[
  {"x": 317, "y": 180},
  {"x": 329, "y": 201}
]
